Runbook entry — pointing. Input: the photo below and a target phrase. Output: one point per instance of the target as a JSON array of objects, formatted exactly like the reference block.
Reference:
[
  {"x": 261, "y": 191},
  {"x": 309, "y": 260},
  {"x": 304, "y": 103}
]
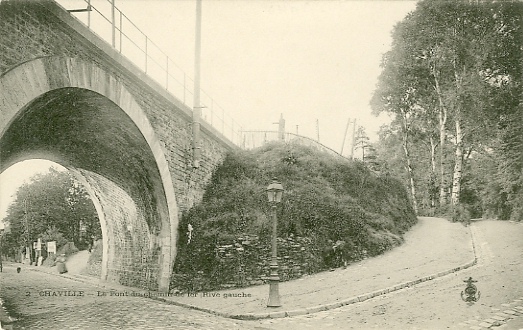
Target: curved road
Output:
[
  {"x": 437, "y": 304},
  {"x": 434, "y": 304}
]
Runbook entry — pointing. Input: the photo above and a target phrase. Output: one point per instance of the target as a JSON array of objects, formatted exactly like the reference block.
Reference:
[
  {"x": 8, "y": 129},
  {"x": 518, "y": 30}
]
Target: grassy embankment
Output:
[{"x": 325, "y": 198}]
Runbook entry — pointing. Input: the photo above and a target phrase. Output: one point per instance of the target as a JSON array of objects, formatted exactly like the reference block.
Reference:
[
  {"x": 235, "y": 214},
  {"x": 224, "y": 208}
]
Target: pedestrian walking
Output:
[
  {"x": 60, "y": 264},
  {"x": 340, "y": 253},
  {"x": 329, "y": 255}
]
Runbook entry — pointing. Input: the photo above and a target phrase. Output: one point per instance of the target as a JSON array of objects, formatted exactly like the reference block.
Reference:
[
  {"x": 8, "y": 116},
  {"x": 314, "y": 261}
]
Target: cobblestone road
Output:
[
  {"x": 433, "y": 304},
  {"x": 45, "y": 301}
]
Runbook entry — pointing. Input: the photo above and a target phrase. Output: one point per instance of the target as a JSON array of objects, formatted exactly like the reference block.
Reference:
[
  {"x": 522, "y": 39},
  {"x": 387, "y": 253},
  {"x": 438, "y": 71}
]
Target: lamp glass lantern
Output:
[{"x": 275, "y": 191}]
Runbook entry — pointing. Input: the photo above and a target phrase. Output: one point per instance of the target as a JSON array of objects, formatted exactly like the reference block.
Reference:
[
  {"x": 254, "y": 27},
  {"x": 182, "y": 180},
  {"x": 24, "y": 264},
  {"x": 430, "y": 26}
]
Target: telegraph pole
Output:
[
  {"x": 197, "y": 110},
  {"x": 353, "y": 137},
  {"x": 318, "y": 129},
  {"x": 344, "y": 136}
]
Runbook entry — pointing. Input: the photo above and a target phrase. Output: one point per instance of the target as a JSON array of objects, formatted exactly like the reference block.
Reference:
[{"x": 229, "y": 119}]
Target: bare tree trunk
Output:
[
  {"x": 409, "y": 166},
  {"x": 442, "y": 137},
  {"x": 433, "y": 145},
  {"x": 458, "y": 166},
  {"x": 411, "y": 176}
]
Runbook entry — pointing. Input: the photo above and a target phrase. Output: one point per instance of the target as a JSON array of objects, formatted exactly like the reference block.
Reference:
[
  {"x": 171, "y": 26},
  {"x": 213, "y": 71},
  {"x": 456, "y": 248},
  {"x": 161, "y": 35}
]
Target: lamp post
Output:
[{"x": 274, "y": 193}]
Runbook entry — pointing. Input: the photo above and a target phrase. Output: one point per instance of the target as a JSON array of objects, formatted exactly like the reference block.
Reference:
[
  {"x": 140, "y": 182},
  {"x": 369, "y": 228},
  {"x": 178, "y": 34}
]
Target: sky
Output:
[{"x": 314, "y": 62}]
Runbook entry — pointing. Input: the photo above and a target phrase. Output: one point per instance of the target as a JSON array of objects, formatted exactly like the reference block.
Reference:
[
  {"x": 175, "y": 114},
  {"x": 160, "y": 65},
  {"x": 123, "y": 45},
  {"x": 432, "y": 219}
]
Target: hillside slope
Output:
[{"x": 326, "y": 199}]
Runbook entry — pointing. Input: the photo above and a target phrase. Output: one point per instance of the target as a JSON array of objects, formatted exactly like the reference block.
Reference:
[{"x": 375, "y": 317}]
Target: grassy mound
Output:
[{"x": 326, "y": 199}]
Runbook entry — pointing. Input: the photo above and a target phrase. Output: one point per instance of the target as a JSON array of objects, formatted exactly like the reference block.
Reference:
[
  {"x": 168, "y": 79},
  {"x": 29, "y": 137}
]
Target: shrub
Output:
[
  {"x": 326, "y": 199},
  {"x": 53, "y": 234},
  {"x": 68, "y": 249},
  {"x": 461, "y": 214}
]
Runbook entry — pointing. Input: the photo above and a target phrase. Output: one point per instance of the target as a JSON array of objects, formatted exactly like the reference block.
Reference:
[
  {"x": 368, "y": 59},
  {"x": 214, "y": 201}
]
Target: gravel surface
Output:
[{"x": 437, "y": 304}]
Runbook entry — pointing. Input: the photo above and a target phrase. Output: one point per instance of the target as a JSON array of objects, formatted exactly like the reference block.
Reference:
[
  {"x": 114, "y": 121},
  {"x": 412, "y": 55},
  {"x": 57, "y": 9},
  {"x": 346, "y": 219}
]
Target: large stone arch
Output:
[{"x": 79, "y": 115}]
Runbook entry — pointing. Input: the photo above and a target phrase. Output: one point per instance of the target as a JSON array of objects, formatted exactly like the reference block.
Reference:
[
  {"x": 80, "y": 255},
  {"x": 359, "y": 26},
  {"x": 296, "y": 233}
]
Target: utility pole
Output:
[
  {"x": 318, "y": 129},
  {"x": 197, "y": 110},
  {"x": 349, "y": 121},
  {"x": 353, "y": 137},
  {"x": 344, "y": 136}
]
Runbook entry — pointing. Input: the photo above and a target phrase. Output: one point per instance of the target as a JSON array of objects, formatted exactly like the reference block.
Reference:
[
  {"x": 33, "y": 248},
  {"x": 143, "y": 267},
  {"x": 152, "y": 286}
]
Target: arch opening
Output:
[
  {"x": 40, "y": 199},
  {"x": 96, "y": 140}
]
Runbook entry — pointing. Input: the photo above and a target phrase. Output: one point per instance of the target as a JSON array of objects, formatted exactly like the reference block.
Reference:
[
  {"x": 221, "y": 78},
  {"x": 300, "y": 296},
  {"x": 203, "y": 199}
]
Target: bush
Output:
[
  {"x": 68, "y": 249},
  {"x": 53, "y": 234},
  {"x": 461, "y": 214},
  {"x": 325, "y": 199}
]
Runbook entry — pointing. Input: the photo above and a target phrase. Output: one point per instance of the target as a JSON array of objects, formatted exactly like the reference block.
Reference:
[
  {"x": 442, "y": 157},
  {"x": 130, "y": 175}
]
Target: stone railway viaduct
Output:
[{"x": 69, "y": 97}]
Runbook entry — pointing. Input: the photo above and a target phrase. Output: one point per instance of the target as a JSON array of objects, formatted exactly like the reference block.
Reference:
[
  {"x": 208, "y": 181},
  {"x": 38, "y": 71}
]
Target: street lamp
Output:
[{"x": 274, "y": 193}]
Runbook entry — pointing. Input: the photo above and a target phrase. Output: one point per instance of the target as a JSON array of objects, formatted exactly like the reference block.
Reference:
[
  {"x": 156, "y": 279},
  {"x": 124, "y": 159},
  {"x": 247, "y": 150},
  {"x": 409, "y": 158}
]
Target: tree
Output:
[
  {"x": 453, "y": 63},
  {"x": 362, "y": 142},
  {"x": 399, "y": 92},
  {"x": 52, "y": 204}
]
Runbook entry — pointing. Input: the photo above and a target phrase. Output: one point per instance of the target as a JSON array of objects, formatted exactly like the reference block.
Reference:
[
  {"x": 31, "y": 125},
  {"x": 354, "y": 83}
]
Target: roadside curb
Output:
[
  {"x": 345, "y": 302},
  {"x": 294, "y": 312}
]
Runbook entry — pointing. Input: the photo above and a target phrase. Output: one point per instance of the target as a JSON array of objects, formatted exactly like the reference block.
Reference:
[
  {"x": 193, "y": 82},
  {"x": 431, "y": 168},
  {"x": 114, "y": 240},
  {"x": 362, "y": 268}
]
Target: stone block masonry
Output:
[
  {"x": 68, "y": 96},
  {"x": 32, "y": 30},
  {"x": 245, "y": 261}
]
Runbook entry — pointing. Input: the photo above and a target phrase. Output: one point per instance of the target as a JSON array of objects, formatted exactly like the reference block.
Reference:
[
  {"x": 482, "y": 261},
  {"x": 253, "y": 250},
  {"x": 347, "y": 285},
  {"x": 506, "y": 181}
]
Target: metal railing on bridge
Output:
[
  {"x": 255, "y": 139},
  {"x": 108, "y": 22}
]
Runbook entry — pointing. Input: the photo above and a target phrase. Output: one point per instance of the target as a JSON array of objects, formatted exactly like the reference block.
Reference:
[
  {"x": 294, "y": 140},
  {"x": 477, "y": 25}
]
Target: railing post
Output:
[{"x": 121, "y": 19}]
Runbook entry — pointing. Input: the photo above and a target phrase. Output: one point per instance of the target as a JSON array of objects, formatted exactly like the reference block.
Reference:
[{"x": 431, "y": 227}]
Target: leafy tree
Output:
[
  {"x": 454, "y": 71},
  {"x": 510, "y": 167},
  {"x": 52, "y": 205}
]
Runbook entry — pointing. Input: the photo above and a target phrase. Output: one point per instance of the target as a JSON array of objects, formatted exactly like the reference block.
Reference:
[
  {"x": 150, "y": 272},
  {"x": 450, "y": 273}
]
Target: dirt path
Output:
[
  {"x": 433, "y": 245},
  {"x": 77, "y": 262},
  {"x": 437, "y": 304}
]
